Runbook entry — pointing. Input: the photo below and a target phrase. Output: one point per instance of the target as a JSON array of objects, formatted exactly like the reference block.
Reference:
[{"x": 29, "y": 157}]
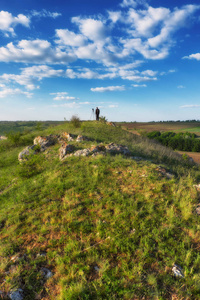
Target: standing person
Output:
[{"x": 97, "y": 112}]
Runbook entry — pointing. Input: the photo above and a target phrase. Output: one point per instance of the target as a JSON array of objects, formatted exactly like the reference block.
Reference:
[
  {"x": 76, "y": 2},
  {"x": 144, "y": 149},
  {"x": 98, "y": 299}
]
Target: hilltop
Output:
[{"x": 105, "y": 226}]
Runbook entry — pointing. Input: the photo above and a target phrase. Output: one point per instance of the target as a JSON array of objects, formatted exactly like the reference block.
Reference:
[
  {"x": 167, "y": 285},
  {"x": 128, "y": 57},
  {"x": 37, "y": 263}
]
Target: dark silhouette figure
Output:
[{"x": 97, "y": 112}]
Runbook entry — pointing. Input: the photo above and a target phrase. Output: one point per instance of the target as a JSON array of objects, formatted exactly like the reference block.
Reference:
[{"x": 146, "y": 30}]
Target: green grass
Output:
[{"x": 109, "y": 227}]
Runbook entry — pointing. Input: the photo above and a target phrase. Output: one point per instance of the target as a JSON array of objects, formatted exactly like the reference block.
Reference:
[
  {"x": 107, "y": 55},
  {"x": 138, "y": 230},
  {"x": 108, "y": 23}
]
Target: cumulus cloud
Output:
[
  {"x": 193, "y": 56},
  {"x": 36, "y": 51},
  {"x": 108, "y": 89},
  {"x": 93, "y": 29},
  {"x": 8, "y": 22},
  {"x": 69, "y": 38},
  {"x": 180, "y": 87},
  {"x": 5, "y": 92},
  {"x": 30, "y": 76}
]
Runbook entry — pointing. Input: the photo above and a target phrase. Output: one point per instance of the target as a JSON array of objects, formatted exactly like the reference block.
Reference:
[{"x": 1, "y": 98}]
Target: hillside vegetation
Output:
[{"x": 102, "y": 227}]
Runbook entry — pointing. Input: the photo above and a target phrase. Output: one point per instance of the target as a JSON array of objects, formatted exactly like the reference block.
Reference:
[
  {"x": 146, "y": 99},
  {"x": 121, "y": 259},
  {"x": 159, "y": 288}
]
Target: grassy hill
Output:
[{"x": 103, "y": 227}]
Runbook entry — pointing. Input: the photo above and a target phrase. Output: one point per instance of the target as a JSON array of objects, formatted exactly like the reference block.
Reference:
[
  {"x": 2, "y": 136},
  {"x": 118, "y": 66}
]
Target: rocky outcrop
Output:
[
  {"x": 45, "y": 141},
  {"x": 68, "y": 136},
  {"x": 81, "y": 138},
  {"x": 115, "y": 148},
  {"x": 65, "y": 149},
  {"x": 96, "y": 150},
  {"x": 27, "y": 151}
]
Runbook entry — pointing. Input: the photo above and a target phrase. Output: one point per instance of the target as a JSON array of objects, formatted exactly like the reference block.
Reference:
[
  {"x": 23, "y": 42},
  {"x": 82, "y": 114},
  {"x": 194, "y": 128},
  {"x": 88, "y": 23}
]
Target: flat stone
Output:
[{"x": 83, "y": 152}]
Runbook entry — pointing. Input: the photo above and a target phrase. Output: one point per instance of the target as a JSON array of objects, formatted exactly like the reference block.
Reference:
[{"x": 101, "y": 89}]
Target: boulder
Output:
[
  {"x": 81, "y": 138},
  {"x": 98, "y": 148},
  {"x": 27, "y": 151},
  {"x": 68, "y": 136},
  {"x": 115, "y": 149},
  {"x": 45, "y": 141},
  {"x": 83, "y": 152},
  {"x": 65, "y": 149}
]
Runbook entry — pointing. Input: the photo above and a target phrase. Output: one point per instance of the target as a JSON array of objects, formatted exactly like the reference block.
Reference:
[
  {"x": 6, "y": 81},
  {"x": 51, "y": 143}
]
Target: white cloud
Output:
[
  {"x": 84, "y": 103},
  {"x": 36, "y": 51},
  {"x": 190, "y": 106},
  {"x": 113, "y": 105},
  {"x": 139, "y": 85},
  {"x": 60, "y": 96},
  {"x": 193, "y": 56},
  {"x": 126, "y": 3},
  {"x": 5, "y": 92},
  {"x": 94, "y": 30},
  {"x": 45, "y": 13},
  {"x": 67, "y": 37},
  {"x": 180, "y": 87},
  {"x": 30, "y": 76},
  {"x": 86, "y": 73},
  {"x": 67, "y": 105},
  {"x": 114, "y": 16},
  {"x": 8, "y": 22},
  {"x": 108, "y": 89}
]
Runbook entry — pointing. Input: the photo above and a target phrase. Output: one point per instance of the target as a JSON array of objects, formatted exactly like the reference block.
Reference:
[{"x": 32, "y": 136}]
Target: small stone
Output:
[
  {"x": 46, "y": 273},
  {"x": 16, "y": 295},
  {"x": 177, "y": 270},
  {"x": 96, "y": 268}
]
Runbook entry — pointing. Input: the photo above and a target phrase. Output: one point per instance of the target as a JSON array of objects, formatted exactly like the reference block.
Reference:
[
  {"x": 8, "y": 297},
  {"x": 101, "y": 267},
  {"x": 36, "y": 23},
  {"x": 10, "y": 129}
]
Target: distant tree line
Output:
[{"x": 177, "y": 141}]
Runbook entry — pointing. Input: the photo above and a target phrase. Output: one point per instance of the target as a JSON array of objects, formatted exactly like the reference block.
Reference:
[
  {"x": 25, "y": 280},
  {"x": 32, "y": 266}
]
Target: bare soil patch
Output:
[{"x": 195, "y": 156}]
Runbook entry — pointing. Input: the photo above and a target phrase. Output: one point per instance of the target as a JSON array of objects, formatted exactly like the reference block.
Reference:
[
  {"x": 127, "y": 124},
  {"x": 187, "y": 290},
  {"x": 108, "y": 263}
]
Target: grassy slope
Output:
[{"x": 110, "y": 227}]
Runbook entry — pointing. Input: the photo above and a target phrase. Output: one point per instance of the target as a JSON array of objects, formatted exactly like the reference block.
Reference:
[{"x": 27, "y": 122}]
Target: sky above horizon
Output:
[{"x": 137, "y": 60}]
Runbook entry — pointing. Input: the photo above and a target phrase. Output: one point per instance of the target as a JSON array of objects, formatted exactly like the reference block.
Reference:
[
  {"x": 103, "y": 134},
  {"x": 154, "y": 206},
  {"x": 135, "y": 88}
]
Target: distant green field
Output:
[{"x": 21, "y": 126}]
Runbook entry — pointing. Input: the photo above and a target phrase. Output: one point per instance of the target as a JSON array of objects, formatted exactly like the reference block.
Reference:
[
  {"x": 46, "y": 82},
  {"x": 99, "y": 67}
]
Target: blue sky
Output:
[{"x": 137, "y": 60}]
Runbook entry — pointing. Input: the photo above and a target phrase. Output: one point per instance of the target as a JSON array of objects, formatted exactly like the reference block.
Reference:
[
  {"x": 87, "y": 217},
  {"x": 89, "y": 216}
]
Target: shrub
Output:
[
  {"x": 31, "y": 167},
  {"x": 75, "y": 121},
  {"x": 14, "y": 137},
  {"x": 103, "y": 119}
]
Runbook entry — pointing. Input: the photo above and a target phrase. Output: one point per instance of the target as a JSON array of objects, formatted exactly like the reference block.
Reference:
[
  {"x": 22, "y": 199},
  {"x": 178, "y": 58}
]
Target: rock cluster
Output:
[
  {"x": 99, "y": 150},
  {"x": 66, "y": 150}
]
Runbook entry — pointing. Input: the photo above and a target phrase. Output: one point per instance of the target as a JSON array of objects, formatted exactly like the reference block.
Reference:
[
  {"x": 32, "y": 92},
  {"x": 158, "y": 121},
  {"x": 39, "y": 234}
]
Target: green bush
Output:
[
  {"x": 75, "y": 121},
  {"x": 183, "y": 141},
  {"x": 32, "y": 166},
  {"x": 14, "y": 137}
]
